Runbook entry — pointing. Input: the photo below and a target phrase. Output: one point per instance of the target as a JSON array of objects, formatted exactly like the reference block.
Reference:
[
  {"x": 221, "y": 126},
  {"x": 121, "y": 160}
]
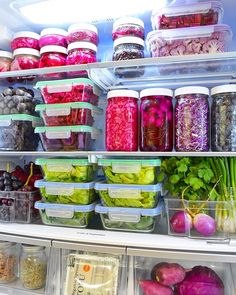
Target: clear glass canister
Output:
[
  {"x": 128, "y": 48},
  {"x": 82, "y": 33},
  {"x": 192, "y": 119},
  {"x": 33, "y": 267},
  {"x": 223, "y": 118},
  {"x": 156, "y": 119},
  {"x": 81, "y": 53},
  {"x": 25, "y": 59},
  {"x": 25, "y": 39},
  {"x": 5, "y": 61},
  {"x": 128, "y": 26},
  {"x": 122, "y": 120},
  {"x": 53, "y": 36},
  {"x": 8, "y": 262}
]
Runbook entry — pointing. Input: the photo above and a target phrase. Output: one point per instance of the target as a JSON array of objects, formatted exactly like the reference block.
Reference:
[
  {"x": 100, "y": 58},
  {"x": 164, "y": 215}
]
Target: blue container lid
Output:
[
  {"x": 42, "y": 183},
  {"x": 102, "y": 186},
  {"x": 61, "y": 207}
]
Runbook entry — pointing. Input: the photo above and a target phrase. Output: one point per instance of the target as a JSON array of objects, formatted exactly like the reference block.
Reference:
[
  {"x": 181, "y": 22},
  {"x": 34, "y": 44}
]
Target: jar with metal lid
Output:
[
  {"x": 25, "y": 59},
  {"x": 192, "y": 119},
  {"x": 156, "y": 111},
  {"x": 53, "y": 36},
  {"x": 5, "y": 61},
  {"x": 122, "y": 120},
  {"x": 82, "y": 33},
  {"x": 33, "y": 267},
  {"x": 128, "y": 26},
  {"x": 223, "y": 118},
  {"x": 8, "y": 262},
  {"x": 25, "y": 39}
]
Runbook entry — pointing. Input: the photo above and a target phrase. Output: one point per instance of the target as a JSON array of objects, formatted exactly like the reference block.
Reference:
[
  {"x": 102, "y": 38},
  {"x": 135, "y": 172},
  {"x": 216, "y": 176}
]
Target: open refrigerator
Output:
[{"x": 117, "y": 260}]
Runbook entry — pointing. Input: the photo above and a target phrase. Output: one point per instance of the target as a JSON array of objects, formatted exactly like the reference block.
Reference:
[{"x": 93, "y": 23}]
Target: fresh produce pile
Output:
[{"x": 173, "y": 279}]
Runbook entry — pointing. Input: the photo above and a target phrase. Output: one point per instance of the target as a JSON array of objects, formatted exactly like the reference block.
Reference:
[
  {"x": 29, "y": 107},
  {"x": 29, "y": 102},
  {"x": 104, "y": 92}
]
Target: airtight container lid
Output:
[
  {"x": 6, "y": 120},
  {"x": 6, "y": 54},
  {"x": 32, "y": 248},
  {"x": 6, "y": 244},
  {"x": 27, "y": 51},
  {"x": 129, "y": 163},
  {"x": 53, "y": 31},
  {"x": 63, "y": 163},
  {"x": 223, "y": 89},
  {"x": 103, "y": 186},
  {"x": 123, "y": 93},
  {"x": 156, "y": 91},
  {"x": 53, "y": 48},
  {"x": 82, "y": 26},
  {"x": 128, "y": 20},
  {"x": 57, "y": 187},
  {"x": 192, "y": 90},
  {"x": 128, "y": 40},
  {"x": 61, "y": 210},
  {"x": 64, "y": 132},
  {"x": 82, "y": 45},
  {"x": 26, "y": 34}
]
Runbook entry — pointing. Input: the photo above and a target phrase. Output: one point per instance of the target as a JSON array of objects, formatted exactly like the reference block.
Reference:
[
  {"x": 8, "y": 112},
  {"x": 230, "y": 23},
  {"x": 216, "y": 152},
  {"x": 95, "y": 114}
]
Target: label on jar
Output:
[
  {"x": 119, "y": 168},
  {"x": 59, "y": 168},
  {"x": 58, "y": 134},
  {"x": 124, "y": 193},
  {"x": 63, "y": 191},
  {"x": 124, "y": 217},
  {"x": 59, "y": 213},
  {"x": 58, "y": 112}
]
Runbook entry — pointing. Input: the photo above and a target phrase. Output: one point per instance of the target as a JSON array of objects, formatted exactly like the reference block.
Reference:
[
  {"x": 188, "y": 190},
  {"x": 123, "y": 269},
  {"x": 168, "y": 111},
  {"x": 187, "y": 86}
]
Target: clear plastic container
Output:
[
  {"x": 129, "y": 195},
  {"x": 67, "y": 193},
  {"x": 128, "y": 26},
  {"x": 223, "y": 118},
  {"x": 122, "y": 120},
  {"x": 68, "y": 114},
  {"x": 138, "y": 171},
  {"x": 65, "y": 215},
  {"x": 195, "y": 40},
  {"x": 5, "y": 61},
  {"x": 187, "y": 15},
  {"x": 25, "y": 39},
  {"x": 129, "y": 219},
  {"x": 33, "y": 267},
  {"x": 68, "y": 138},
  {"x": 67, "y": 170},
  {"x": 156, "y": 119},
  {"x": 192, "y": 119},
  {"x": 8, "y": 261},
  {"x": 18, "y": 206},
  {"x": 17, "y": 132},
  {"x": 25, "y": 59},
  {"x": 82, "y": 33},
  {"x": 53, "y": 36},
  {"x": 69, "y": 90}
]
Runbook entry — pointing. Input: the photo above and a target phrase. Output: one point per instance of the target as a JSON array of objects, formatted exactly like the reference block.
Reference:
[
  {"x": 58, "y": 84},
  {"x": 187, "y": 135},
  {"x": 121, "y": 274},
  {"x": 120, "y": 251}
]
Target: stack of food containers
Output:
[
  {"x": 67, "y": 190},
  {"x": 130, "y": 196},
  {"x": 68, "y": 114}
]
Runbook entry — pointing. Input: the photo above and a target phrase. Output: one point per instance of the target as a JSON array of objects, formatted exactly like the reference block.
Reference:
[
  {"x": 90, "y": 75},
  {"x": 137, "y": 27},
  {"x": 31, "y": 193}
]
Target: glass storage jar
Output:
[
  {"x": 33, "y": 267},
  {"x": 156, "y": 111},
  {"x": 5, "y": 61},
  {"x": 8, "y": 262},
  {"x": 53, "y": 36},
  {"x": 82, "y": 33},
  {"x": 223, "y": 118},
  {"x": 128, "y": 26},
  {"x": 122, "y": 120},
  {"x": 25, "y": 39},
  {"x": 81, "y": 53},
  {"x": 25, "y": 59},
  {"x": 192, "y": 119}
]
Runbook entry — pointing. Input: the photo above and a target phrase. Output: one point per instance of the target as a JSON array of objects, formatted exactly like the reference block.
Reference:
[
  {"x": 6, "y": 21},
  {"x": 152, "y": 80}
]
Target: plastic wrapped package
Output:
[
  {"x": 25, "y": 59},
  {"x": 128, "y": 26},
  {"x": 186, "y": 41},
  {"x": 122, "y": 120},
  {"x": 187, "y": 15},
  {"x": 25, "y": 39},
  {"x": 68, "y": 114},
  {"x": 192, "y": 119},
  {"x": 69, "y": 90},
  {"x": 17, "y": 132},
  {"x": 68, "y": 138},
  {"x": 65, "y": 215},
  {"x": 138, "y": 171},
  {"x": 9, "y": 262},
  {"x": 67, "y": 193},
  {"x": 156, "y": 119},
  {"x": 67, "y": 170},
  {"x": 82, "y": 32},
  {"x": 5, "y": 61},
  {"x": 53, "y": 36}
]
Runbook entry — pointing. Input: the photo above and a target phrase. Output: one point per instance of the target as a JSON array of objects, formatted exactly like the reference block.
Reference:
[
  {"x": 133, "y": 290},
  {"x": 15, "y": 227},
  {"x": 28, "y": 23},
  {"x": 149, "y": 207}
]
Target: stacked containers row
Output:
[
  {"x": 67, "y": 190},
  {"x": 130, "y": 195}
]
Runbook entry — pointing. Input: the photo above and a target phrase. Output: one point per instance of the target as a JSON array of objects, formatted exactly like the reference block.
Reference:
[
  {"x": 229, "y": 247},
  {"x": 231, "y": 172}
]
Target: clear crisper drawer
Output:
[
  {"x": 93, "y": 273},
  {"x": 189, "y": 277}
]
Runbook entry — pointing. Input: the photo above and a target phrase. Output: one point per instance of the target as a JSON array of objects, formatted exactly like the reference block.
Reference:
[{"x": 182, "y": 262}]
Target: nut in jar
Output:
[{"x": 8, "y": 262}]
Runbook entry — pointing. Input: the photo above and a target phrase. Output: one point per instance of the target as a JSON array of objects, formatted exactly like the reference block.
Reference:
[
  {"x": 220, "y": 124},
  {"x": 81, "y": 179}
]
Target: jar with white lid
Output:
[
  {"x": 5, "y": 61},
  {"x": 192, "y": 119},
  {"x": 81, "y": 53},
  {"x": 156, "y": 112},
  {"x": 122, "y": 120},
  {"x": 82, "y": 32},
  {"x": 25, "y": 59},
  {"x": 223, "y": 118},
  {"x": 8, "y": 262},
  {"x": 25, "y": 39},
  {"x": 33, "y": 267},
  {"x": 128, "y": 26},
  {"x": 53, "y": 36}
]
